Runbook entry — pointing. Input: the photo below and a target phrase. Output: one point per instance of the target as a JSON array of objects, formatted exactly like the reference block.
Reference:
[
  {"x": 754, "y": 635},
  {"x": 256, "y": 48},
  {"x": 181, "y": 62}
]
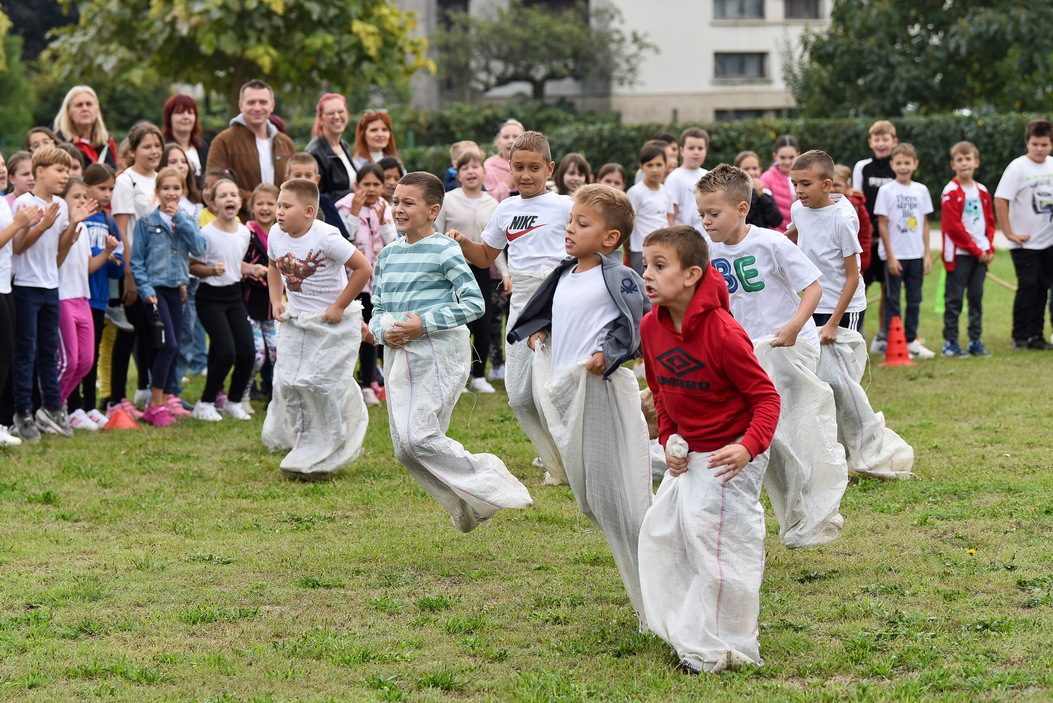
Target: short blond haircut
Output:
[
  {"x": 467, "y": 156},
  {"x": 457, "y": 148},
  {"x": 301, "y": 158},
  {"x": 903, "y": 148},
  {"x": 965, "y": 148},
  {"x": 612, "y": 205},
  {"x": 815, "y": 160},
  {"x": 688, "y": 243},
  {"x": 532, "y": 141},
  {"x": 843, "y": 172},
  {"x": 305, "y": 191},
  {"x": 733, "y": 182},
  {"x": 49, "y": 156},
  {"x": 882, "y": 127}
]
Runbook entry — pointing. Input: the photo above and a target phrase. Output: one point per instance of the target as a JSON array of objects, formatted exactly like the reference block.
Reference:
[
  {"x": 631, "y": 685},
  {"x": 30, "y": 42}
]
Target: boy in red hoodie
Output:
[
  {"x": 701, "y": 586},
  {"x": 967, "y": 219}
]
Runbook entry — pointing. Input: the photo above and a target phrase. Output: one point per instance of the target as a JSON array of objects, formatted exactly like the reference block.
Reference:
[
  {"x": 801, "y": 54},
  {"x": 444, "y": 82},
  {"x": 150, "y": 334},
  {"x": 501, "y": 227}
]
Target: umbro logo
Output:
[{"x": 679, "y": 362}]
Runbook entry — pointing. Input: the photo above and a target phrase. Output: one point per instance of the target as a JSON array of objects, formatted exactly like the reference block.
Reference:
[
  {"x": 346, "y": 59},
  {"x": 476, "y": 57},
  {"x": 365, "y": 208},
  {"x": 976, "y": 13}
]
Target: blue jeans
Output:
[
  {"x": 910, "y": 278},
  {"x": 36, "y": 342},
  {"x": 193, "y": 347}
]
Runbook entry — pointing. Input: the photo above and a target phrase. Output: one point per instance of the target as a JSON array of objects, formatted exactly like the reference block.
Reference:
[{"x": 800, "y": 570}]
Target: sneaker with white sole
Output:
[
  {"x": 206, "y": 411},
  {"x": 26, "y": 426},
  {"x": 917, "y": 350},
  {"x": 141, "y": 398},
  {"x": 234, "y": 411},
  {"x": 479, "y": 385},
  {"x": 98, "y": 418},
  {"x": 115, "y": 315},
  {"x": 79, "y": 420},
  {"x": 369, "y": 397},
  {"x": 246, "y": 405},
  {"x": 497, "y": 372},
  {"x": 878, "y": 346},
  {"x": 54, "y": 420},
  {"x": 7, "y": 439}
]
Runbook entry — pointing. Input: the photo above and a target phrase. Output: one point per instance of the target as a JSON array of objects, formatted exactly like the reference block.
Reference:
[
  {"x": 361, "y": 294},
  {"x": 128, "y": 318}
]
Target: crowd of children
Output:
[{"x": 733, "y": 288}]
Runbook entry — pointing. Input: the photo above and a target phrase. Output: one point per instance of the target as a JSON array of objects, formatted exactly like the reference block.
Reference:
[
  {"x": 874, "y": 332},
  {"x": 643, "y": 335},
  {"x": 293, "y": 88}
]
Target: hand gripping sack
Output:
[
  {"x": 602, "y": 438},
  {"x": 523, "y": 385},
  {"x": 702, "y": 561},
  {"x": 872, "y": 449},
  {"x": 807, "y": 472},
  {"x": 316, "y": 411},
  {"x": 424, "y": 379}
]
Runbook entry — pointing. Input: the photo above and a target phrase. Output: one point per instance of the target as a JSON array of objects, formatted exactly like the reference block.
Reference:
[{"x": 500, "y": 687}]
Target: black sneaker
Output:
[
  {"x": 1019, "y": 344},
  {"x": 1039, "y": 343},
  {"x": 688, "y": 668},
  {"x": 55, "y": 419},
  {"x": 25, "y": 427}
]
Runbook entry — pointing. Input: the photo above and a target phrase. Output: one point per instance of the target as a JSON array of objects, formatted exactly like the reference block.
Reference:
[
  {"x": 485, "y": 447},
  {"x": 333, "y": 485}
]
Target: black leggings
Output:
[
  {"x": 7, "y": 356},
  {"x": 480, "y": 327},
  {"x": 223, "y": 315},
  {"x": 367, "y": 353}
]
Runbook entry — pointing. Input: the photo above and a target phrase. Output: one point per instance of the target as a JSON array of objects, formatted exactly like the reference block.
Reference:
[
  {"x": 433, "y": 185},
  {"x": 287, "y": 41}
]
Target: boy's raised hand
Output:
[
  {"x": 731, "y": 459},
  {"x": 83, "y": 211},
  {"x": 29, "y": 216},
  {"x": 50, "y": 215},
  {"x": 536, "y": 341}
]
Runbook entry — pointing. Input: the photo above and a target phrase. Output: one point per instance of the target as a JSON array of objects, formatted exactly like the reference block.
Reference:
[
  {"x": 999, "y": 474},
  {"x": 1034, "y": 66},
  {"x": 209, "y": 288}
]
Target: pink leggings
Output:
[{"x": 76, "y": 344}]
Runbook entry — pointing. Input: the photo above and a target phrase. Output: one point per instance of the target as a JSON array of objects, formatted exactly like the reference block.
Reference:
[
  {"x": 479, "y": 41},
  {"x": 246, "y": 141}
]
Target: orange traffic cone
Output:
[
  {"x": 121, "y": 420},
  {"x": 896, "y": 353}
]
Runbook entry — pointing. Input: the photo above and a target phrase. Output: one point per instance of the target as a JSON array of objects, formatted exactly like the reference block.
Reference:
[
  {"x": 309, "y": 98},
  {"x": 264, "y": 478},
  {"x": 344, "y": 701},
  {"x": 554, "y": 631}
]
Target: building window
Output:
[
  {"x": 738, "y": 9},
  {"x": 802, "y": 10},
  {"x": 735, "y": 115},
  {"x": 741, "y": 65}
]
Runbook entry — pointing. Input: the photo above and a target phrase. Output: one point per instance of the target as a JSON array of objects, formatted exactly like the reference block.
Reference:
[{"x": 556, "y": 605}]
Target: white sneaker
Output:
[
  {"x": 79, "y": 420},
  {"x": 234, "y": 411},
  {"x": 917, "y": 350},
  {"x": 98, "y": 418},
  {"x": 246, "y": 405},
  {"x": 206, "y": 411},
  {"x": 479, "y": 385},
  {"x": 878, "y": 346},
  {"x": 7, "y": 439},
  {"x": 370, "y": 398},
  {"x": 142, "y": 397},
  {"x": 497, "y": 373}
]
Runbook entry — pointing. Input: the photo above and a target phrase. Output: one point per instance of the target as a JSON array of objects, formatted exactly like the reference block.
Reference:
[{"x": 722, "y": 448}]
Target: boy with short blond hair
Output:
[
  {"x": 316, "y": 410},
  {"x": 37, "y": 249},
  {"x": 532, "y": 225},
  {"x": 587, "y": 313},
  {"x": 967, "y": 221},
  {"x": 774, "y": 291},
  {"x": 716, "y": 403},
  {"x": 1023, "y": 204},
  {"x": 903, "y": 207},
  {"x": 424, "y": 295}
]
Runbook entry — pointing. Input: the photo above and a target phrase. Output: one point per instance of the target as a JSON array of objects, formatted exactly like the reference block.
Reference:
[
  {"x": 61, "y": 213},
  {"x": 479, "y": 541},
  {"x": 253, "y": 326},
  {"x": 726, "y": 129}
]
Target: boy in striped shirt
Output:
[{"x": 424, "y": 295}]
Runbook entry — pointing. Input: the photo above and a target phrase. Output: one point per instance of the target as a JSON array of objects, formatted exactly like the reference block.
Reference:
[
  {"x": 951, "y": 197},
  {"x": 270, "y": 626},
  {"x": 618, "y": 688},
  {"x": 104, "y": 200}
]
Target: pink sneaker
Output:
[
  {"x": 158, "y": 416},
  {"x": 127, "y": 407},
  {"x": 175, "y": 406},
  {"x": 221, "y": 400}
]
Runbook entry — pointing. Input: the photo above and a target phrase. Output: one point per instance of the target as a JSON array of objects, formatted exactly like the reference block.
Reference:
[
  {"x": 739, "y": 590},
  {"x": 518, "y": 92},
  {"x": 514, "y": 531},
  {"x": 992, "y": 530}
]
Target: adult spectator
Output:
[
  {"x": 329, "y": 149},
  {"x": 181, "y": 126},
  {"x": 79, "y": 121},
  {"x": 252, "y": 147},
  {"x": 374, "y": 138}
]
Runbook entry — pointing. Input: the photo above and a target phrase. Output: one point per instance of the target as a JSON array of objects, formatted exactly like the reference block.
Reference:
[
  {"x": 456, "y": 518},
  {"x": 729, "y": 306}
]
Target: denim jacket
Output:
[{"x": 161, "y": 254}]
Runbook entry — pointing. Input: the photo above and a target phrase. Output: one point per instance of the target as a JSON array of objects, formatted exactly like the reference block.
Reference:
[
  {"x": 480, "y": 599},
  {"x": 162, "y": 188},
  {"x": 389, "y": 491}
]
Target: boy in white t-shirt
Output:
[
  {"x": 967, "y": 220},
  {"x": 533, "y": 226},
  {"x": 588, "y": 312},
  {"x": 37, "y": 250},
  {"x": 694, "y": 145},
  {"x": 317, "y": 409},
  {"x": 903, "y": 207},
  {"x": 652, "y": 202},
  {"x": 1023, "y": 204},
  {"x": 765, "y": 272},
  {"x": 828, "y": 234}
]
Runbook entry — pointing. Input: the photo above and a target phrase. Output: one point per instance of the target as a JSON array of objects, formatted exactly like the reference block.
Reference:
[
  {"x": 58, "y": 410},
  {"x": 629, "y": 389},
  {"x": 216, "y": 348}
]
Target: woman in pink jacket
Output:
[{"x": 777, "y": 178}]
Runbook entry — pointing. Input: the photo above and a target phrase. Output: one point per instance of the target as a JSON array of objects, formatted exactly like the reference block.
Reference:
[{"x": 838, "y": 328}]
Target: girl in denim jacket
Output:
[{"x": 163, "y": 243}]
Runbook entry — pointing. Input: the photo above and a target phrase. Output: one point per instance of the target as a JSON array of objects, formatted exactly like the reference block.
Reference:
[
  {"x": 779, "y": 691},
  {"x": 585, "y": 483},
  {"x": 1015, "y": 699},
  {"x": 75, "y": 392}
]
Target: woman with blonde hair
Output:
[
  {"x": 329, "y": 148},
  {"x": 79, "y": 121}
]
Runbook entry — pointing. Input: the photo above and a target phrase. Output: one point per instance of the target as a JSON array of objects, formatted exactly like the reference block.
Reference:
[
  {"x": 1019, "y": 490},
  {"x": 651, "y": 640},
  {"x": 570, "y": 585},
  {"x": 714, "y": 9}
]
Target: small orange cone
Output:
[
  {"x": 121, "y": 420},
  {"x": 896, "y": 353}
]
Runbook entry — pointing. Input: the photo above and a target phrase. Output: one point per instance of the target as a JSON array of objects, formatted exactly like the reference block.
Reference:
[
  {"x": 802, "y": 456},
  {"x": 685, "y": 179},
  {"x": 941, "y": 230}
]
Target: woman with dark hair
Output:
[
  {"x": 181, "y": 126},
  {"x": 80, "y": 122},
  {"x": 329, "y": 149},
  {"x": 374, "y": 138}
]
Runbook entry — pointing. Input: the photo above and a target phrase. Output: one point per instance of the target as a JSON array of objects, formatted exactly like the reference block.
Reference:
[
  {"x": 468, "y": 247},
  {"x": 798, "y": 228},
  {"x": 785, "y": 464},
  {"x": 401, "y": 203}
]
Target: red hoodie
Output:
[{"x": 708, "y": 386}]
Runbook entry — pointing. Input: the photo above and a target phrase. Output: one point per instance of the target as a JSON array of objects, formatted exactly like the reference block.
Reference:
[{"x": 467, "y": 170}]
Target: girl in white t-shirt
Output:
[{"x": 220, "y": 305}]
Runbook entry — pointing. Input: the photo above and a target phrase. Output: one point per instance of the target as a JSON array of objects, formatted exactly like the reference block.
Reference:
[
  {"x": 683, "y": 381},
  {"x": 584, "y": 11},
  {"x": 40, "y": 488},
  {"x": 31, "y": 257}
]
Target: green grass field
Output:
[{"x": 177, "y": 565}]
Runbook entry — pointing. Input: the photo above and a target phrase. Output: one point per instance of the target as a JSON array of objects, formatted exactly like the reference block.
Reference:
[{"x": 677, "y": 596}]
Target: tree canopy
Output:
[
  {"x": 299, "y": 46},
  {"x": 534, "y": 44},
  {"x": 883, "y": 57}
]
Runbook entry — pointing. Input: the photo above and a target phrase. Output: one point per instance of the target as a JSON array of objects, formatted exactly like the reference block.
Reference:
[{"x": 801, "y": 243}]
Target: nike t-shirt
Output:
[{"x": 534, "y": 229}]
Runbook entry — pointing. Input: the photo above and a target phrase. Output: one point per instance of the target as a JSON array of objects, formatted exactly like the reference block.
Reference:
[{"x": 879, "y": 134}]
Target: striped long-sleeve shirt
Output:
[{"x": 428, "y": 278}]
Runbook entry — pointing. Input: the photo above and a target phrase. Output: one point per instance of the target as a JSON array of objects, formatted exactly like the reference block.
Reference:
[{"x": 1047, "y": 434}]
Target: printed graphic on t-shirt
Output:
[
  {"x": 297, "y": 270},
  {"x": 520, "y": 225},
  {"x": 1042, "y": 197},
  {"x": 908, "y": 206},
  {"x": 740, "y": 272},
  {"x": 972, "y": 213}
]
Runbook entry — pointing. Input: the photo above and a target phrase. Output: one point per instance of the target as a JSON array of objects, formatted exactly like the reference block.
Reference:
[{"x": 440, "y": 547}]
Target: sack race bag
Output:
[
  {"x": 702, "y": 561},
  {"x": 602, "y": 438},
  {"x": 423, "y": 381},
  {"x": 316, "y": 411},
  {"x": 522, "y": 385},
  {"x": 871, "y": 448},
  {"x": 807, "y": 471}
]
